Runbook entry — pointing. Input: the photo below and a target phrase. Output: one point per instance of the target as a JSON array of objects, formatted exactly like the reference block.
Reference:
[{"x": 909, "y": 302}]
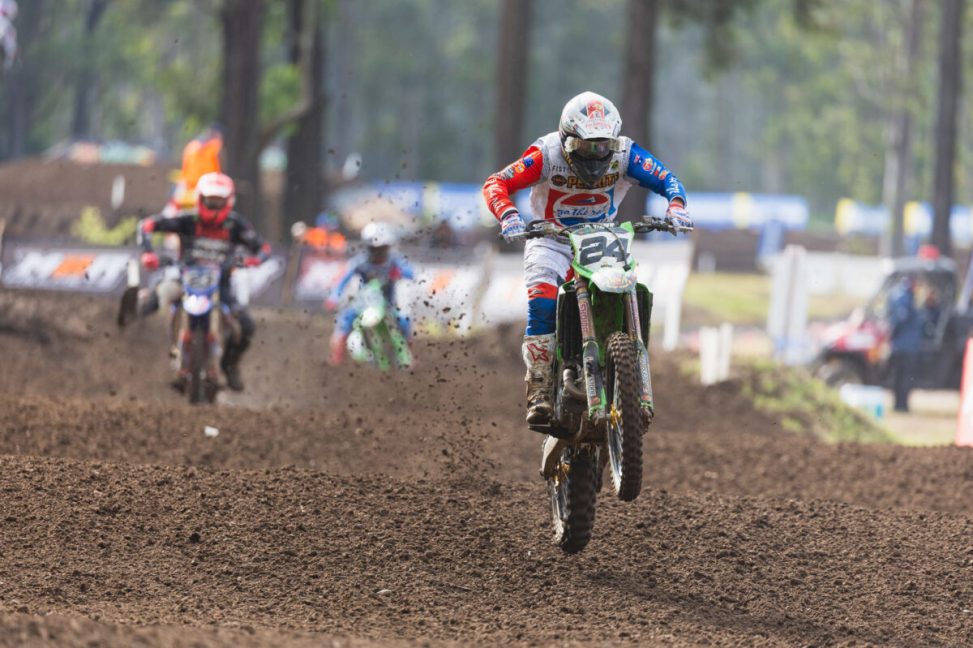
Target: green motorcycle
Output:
[
  {"x": 375, "y": 337},
  {"x": 602, "y": 387}
]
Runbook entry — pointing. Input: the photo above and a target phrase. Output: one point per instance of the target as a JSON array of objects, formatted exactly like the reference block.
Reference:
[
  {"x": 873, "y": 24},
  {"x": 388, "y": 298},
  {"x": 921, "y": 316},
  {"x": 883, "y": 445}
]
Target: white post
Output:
[
  {"x": 133, "y": 273},
  {"x": 708, "y": 355},
  {"x": 787, "y": 319},
  {"x": 726, "y": 350},
  {"x": 670, "y": 330},
  {"x": 117, "y": 192}
]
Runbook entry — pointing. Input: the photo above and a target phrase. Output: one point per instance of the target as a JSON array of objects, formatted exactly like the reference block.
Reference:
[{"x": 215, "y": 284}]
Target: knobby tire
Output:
[{"x": 625, "y": 453}]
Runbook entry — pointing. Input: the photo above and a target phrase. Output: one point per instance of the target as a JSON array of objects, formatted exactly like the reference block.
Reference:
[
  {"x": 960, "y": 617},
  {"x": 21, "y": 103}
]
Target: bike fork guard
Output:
[
  {"x": 594, "y": 385},
  {"x": 635, "y": 332}
]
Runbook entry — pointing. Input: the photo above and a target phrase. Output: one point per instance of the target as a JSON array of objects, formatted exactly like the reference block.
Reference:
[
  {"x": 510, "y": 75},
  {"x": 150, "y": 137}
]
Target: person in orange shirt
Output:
[{"x": 199, "y": 157}]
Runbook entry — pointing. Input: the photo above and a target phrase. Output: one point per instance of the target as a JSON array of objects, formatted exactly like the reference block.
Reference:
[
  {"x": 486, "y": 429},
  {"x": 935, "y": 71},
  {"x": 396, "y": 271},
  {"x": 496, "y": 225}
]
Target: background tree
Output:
[
  {"x": 898, "y": 161},
  {"x": 950, "y": 79},
  {"x": 87, "y": 80},
  {"x": 638, "y": 92},
  {"x": 22, "y": 84},
  {"x": 512, "y": 64},
  {"x": 304, "y": 182},
  {"x": 242, "y": 24}
]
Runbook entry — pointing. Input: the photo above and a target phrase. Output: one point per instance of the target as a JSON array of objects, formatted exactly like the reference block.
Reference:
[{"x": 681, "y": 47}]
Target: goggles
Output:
[
  {"x": 214, "y": 202},
  {"x": 592, "y": 149}
]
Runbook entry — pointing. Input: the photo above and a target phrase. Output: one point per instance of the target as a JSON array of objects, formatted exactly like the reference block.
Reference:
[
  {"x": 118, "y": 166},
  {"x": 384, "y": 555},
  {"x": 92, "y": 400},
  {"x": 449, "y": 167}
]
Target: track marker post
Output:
[{"x": 964, "y": 429}]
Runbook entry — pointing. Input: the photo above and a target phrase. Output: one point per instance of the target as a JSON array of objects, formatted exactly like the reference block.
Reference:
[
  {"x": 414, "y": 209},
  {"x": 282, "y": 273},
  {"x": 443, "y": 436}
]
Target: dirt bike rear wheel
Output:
[
  {"x": 197, "y": 367},
  {"x": 625, "y": 421},
  {"x": 572, "y": 492}
]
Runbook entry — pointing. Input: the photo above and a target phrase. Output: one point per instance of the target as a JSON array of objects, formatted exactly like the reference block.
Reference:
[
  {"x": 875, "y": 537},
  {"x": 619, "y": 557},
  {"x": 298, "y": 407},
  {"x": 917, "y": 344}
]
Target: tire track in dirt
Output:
[
  {"x": 379, "y": 558},
  {"x": 326, "y": 487}
]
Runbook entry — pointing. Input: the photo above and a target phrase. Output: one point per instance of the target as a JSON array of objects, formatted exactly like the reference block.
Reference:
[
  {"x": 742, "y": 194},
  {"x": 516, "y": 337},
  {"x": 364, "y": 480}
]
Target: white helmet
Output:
[
  {"x": 589, "y": 130},
  {"x": 8, "y": 9},
  {"x": 378, "y": 237}
]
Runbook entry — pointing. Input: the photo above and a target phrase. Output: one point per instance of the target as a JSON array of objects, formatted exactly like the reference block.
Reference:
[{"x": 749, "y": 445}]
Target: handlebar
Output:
[
  {"x": 236, "y": 261},
  {"x": 540, "y": 228}
]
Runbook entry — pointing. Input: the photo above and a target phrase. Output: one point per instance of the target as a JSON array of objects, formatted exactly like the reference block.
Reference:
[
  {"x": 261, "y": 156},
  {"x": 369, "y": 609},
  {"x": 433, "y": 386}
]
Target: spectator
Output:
[
  {"x": 906, "y": 323},
  {"x": 199, "y": 157}
]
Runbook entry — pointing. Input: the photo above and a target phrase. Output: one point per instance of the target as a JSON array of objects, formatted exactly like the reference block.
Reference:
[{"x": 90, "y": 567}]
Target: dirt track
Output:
[{"x": 347, "y": 508}]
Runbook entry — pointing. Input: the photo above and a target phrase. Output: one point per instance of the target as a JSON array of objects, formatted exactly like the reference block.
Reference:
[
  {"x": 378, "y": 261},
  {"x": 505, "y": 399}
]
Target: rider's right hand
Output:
[
  {"x": 150, "y": 260},
  {"x": 511, "y": 224}
]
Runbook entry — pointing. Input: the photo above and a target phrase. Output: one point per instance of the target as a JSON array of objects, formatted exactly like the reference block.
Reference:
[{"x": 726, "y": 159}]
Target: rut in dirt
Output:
[
  {"x": 325, "y": 507},
  {"x": 452, "y": 560}
]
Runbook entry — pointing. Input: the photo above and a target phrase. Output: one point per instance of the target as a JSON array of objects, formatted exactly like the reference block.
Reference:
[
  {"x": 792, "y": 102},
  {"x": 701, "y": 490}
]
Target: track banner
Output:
[
  {"x": 964, "y": 431},
  {"x": 52, "y": 266}
]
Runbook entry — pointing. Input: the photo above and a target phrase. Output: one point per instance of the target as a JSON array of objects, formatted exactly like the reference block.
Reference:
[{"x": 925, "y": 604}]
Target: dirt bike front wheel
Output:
[
  {"x": 625, "y": 421},
  {"x": 572, "y": 492},
  {"x": 197, "y": 366}
]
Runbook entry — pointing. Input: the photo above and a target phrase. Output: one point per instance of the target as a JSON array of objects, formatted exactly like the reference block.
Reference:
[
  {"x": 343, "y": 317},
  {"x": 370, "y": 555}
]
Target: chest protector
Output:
[{"x": 563, "y": 198}]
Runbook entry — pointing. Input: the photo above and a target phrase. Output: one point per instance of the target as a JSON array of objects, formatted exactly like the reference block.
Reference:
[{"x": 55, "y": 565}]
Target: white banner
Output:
[{"x": 43, "y": 267}]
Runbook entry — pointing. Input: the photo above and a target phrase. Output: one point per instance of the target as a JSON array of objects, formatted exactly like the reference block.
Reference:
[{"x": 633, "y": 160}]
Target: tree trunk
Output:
[
  {"x": 303, "y": 186},
  {"x": 22, "y": 81},
  {"x": 898, "y": 162},
  {"x": 242, "y": 22},
  {"x": 84, "y": 94},
  {"x": 515, "y": 16},
  {"x": 638, "y": 78},
  {"x": 950, "y": 81}
]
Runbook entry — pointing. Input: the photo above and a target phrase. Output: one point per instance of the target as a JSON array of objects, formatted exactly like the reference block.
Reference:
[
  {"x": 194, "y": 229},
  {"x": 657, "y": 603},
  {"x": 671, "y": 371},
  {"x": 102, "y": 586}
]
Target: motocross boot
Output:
[
  {"x": 538, "y": 352},
  {"x": 230, "y": 363}
]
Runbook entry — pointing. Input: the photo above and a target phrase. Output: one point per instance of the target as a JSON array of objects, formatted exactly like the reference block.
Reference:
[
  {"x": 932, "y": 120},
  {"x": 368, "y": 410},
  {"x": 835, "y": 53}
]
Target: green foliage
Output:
[
  {"x": 786, "y": 96},
  {"x": 90, "y": 228},
  {"x": 717, "y": 298},
  {"x": 279, "y": 91},
  {"x": 806, "y": 405}
]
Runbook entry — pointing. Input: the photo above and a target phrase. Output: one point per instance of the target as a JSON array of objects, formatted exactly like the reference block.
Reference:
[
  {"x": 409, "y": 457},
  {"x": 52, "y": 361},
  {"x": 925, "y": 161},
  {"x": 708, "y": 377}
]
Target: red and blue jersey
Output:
[{"x": 558, "y": 195}]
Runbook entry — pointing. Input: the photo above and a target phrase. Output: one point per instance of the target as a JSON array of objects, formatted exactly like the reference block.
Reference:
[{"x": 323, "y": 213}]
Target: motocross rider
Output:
[
  {"x": 212, "y": 232},
  {"x": 377, "y": 262},
  {"x": 579, "y": 173}
]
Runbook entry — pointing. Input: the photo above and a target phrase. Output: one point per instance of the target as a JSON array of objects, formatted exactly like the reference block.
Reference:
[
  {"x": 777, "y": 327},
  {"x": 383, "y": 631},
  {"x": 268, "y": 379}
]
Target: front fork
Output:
[
  {"x": 594, "y": 383},
  {"x": 635, "y": 332},
  {"x": 214, "y": 340}
]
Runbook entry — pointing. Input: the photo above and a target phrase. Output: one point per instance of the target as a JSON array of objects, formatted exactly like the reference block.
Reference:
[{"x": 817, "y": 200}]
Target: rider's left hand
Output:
[
  {"x": 677, "y": 214},
  {"x": 251, "y": 262}
]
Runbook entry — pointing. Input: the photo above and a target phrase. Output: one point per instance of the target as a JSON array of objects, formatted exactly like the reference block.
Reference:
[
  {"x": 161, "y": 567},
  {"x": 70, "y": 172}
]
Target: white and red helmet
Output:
[
  {"x": 589, "y": 129},
  {"x": 215, "y": 195}
]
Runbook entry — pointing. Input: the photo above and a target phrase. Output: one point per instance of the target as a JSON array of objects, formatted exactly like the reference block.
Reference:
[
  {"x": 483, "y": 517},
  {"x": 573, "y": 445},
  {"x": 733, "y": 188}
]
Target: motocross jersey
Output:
[
  {"x": 203, "y": 244},
  {"x": 560, "y": 196},
  {"x": 394, "y": 268}
]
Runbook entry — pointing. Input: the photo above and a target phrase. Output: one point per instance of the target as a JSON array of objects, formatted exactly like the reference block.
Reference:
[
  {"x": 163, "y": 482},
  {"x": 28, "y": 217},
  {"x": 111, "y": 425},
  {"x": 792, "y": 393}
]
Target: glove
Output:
[
  {"x": 677, "y": 215},
  {"x": 510, "y": 224},
  {"x": 251, "y": 262},
  {"x": 150, "y": 260}
]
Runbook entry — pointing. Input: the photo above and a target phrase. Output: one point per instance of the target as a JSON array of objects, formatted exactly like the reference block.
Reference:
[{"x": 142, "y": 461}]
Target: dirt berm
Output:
[{"x": 346, "y": 508}]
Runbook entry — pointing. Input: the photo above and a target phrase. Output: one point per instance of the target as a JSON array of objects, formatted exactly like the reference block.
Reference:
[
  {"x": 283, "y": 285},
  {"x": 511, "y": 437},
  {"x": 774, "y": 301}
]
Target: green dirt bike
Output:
[
  {"x": 602, "y": 388},
  {"x": 375, "y": 336}
]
